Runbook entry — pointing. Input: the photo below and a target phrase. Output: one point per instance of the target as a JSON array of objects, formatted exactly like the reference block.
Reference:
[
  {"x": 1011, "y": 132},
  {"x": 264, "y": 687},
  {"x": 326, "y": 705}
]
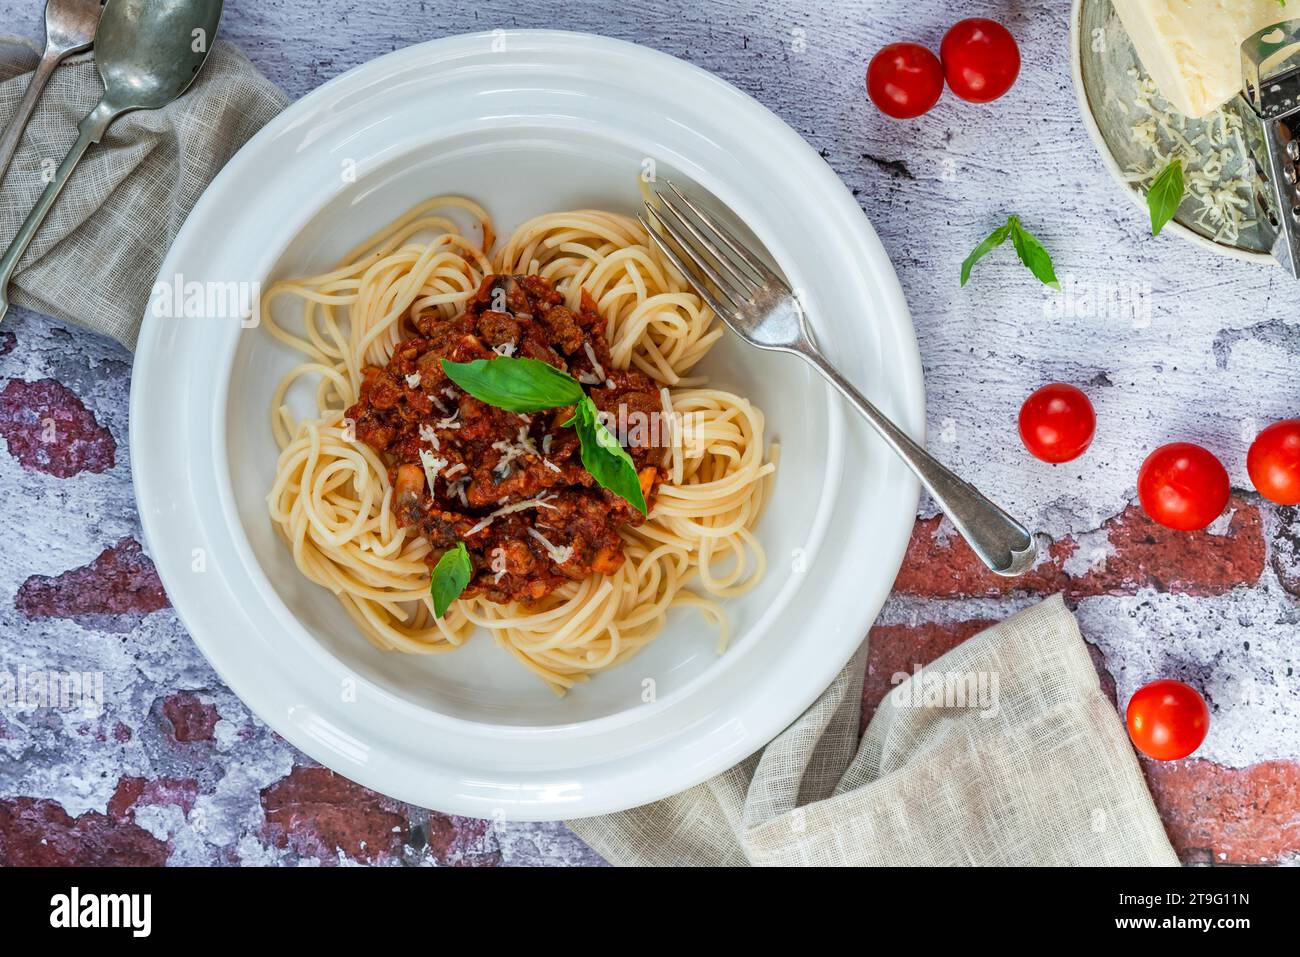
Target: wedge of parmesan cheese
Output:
[{"x": 1192, "y": 48}]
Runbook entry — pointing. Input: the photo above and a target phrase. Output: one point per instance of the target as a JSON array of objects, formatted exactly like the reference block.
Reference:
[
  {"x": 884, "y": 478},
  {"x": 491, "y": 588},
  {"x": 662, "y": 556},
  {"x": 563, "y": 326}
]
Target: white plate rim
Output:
[{"x": 910, "y": 387}]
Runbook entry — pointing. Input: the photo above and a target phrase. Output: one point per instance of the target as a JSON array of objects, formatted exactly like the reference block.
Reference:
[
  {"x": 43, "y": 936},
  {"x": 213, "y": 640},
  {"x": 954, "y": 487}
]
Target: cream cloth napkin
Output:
[
  {"x": 1043, "y": 776},
  {"x": 95, "y": 260}
]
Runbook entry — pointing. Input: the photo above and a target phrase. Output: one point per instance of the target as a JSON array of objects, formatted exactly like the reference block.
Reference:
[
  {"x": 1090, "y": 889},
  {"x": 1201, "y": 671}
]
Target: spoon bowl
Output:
[
  {"x": 70, "y": 24},
  {"x": 150, "y": 51}
]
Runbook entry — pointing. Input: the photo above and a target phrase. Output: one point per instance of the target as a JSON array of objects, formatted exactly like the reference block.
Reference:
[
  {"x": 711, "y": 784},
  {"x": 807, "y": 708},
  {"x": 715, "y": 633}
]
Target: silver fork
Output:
[
  {"x": 69, "y": 28},
  {"x": 760, "y": 308}
]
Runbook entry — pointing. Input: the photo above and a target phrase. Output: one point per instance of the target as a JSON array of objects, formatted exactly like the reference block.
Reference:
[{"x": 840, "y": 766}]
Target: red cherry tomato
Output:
[
  {"x": 1183, "y": 486},
  {"x": 1057, "y": 423},
  {"x": 980, "y": 59},
  {"x": 904, "y": 80},
  {"x": 1274, "y": 462},
  {"x": 1167, "y": 720}
]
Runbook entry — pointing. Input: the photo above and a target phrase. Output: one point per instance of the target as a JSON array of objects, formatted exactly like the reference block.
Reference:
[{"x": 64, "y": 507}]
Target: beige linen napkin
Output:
[
  {"x": 1044, "y": 775},
  {"x": 95, "y": 260}
]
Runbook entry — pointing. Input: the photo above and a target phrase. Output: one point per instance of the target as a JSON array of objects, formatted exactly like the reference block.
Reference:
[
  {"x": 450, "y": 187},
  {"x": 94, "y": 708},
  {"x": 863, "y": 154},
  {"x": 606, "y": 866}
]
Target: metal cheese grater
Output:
[{"x": 1270, "y": 108}]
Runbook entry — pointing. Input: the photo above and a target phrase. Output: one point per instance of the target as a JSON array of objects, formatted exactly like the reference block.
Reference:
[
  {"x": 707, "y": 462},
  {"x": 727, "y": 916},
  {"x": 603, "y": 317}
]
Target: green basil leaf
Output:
[
  {"x": 990, "y": 243},
  {"x": 1165, "y": 195},
  {"x": 1032, "y": 253},
  {"x": 602, "y": 456},
  {"x": 450, "y": 576},
  {"x": 515, "y": 384}
]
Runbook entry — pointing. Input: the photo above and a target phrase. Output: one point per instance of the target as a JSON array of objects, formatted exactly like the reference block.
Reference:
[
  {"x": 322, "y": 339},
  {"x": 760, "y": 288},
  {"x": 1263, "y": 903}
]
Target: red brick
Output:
[
  {"x": 122, "y": 580},
  {"x": 132, "y": 793},
  {"x": 945, "y": 567},
  {"x": 1146, "y": 555},
  {"x": 39, "y": 833},
  {"x": 49, "y": 429},
  {"x": 899, "y": 648},
  {"x": 1224, "y": 815},
  {"x": 892, "y": 649},
  {"x": 191, "y": 719},
  {"x": 317, "y": 813},
  {"x": 462, "y": 841}
]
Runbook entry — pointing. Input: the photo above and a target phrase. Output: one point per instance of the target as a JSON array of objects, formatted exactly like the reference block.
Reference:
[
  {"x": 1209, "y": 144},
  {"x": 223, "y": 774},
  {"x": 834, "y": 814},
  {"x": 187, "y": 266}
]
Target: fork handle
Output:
[
  {"x": 13, "y": 133},
  {"x": 1002, "y": 543},
  {"x": 90, "y": 131}
]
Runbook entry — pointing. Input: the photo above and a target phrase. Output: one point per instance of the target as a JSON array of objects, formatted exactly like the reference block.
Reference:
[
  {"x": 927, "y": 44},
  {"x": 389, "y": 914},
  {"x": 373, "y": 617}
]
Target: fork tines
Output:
[{"x": 726, "y": 273}]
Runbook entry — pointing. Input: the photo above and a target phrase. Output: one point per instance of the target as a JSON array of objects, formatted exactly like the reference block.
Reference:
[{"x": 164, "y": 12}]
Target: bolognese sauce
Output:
[{"x": 510, "y": 485}]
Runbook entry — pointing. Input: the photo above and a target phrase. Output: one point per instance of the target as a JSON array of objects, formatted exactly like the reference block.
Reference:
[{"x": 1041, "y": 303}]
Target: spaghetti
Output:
[{"x": 333, "y": 499}]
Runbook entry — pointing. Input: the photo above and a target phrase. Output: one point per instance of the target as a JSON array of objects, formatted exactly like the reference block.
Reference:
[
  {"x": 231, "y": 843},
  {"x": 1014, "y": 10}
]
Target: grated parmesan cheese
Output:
[
  {"x": 413, "y": 380},
  {"x": 596, "y": 367},
  {"x": 1216, "y": 162},
  {"x": 432, "y": 466},
  {"x": 558, "y": 553},
  {"x": 510, "y": 451},
  {"x": 457, "y": 488},
  {"x": 538, "y": 502}
]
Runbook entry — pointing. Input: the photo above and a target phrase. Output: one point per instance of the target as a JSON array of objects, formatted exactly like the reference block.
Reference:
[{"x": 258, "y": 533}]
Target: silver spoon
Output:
[
  {"x": 148, "y": 53},
  {"x": 69, "y": 28}
]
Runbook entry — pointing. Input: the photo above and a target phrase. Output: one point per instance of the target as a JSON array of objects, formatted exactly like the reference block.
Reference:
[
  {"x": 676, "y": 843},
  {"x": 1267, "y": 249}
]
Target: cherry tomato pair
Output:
[
  {"x": 1184, "y": 486},
  {"x": 980, "y": 61}
]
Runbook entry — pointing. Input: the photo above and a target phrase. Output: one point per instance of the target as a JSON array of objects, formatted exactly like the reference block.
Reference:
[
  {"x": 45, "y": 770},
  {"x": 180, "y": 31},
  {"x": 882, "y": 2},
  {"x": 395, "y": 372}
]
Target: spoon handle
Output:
[
  {"x": 89, "y": 131},
  {"x": 1001, "y": 542},
  {"x": 13, "y": 133}
]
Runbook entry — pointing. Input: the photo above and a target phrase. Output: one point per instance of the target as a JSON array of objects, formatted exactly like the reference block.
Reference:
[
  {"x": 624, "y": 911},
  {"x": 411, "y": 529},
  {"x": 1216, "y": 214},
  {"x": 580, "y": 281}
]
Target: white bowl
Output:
[
  {"x": 1114, "y": 71},
  {"x": 524, "y": 123}
]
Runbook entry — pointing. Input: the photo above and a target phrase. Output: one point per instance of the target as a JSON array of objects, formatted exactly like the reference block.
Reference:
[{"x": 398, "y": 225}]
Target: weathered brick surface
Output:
[
  {"x": 1218, "y": 815},
  {"x": 1192, "y": 370},
  {"x": 135, "y": 792},
  {"x": 190, "y": 718},
  {"x": 461, "y": 841},
  {"x": 939, "y": 564},
  {"x": 1128, "y": 553},
  {"x": 317, "y": 814},
  {"x": 1286, "y": 548},
  {"x": 1148, "y": 555},
  {"x": 49, "y": 429},
  {"x": 121, "y": 581},
  {"x": 39, "y": 833}
]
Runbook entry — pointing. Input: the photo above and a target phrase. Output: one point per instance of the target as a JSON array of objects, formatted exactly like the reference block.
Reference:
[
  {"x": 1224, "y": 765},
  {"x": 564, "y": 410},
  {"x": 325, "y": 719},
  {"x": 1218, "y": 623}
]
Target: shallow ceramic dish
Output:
[
  {"x": 525, "y": 123},
  {"x": 1101, "y": 56}
]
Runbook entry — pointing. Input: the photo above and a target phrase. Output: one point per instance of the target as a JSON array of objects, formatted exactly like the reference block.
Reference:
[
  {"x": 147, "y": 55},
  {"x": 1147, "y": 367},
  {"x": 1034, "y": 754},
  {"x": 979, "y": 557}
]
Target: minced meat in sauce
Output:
[{"x": 484, "y": 460}]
